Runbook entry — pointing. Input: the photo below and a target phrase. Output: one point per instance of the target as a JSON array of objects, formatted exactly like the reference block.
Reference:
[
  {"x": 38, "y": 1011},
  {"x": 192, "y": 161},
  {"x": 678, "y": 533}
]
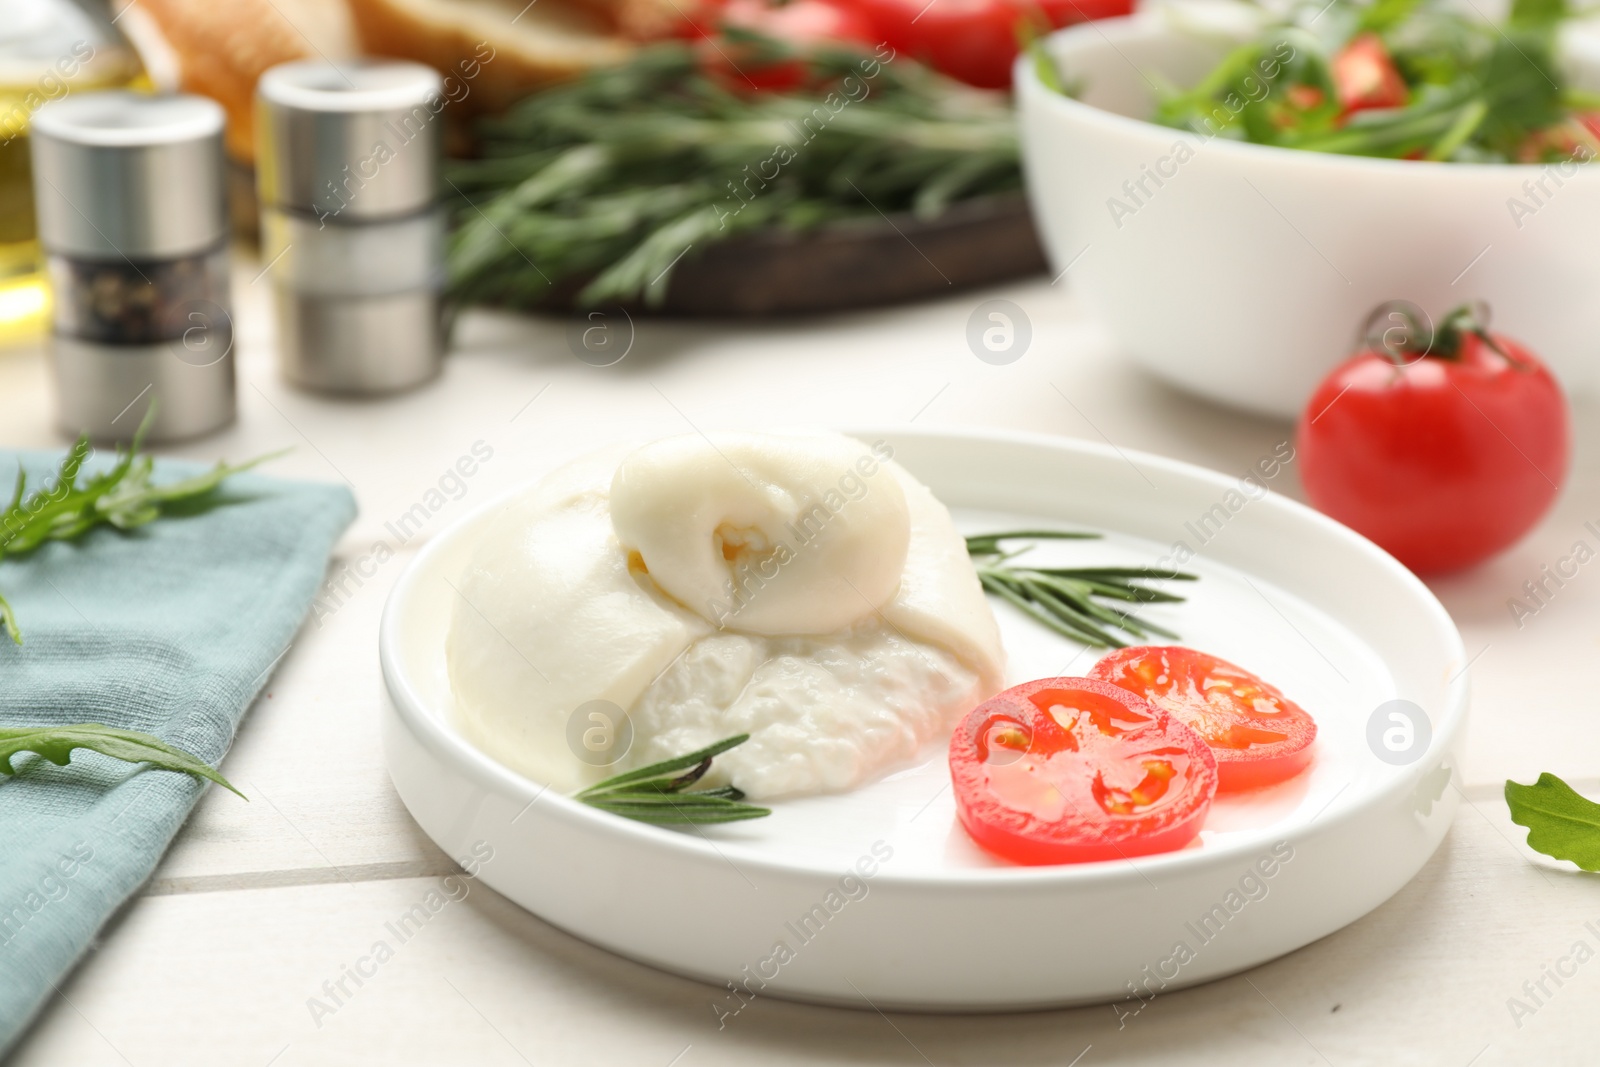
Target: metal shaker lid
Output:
[
  {"x": 126, "y": 175},
  {"x": 352, "y": 141}
]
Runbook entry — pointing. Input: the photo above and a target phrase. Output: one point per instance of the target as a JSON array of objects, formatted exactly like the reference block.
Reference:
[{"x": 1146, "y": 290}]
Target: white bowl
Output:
[
  {"x": 937, "y": 923},
  {"x": 1246, "y": 274}
]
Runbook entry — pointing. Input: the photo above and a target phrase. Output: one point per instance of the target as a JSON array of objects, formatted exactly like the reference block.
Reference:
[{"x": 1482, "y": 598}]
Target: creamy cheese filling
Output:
[{"x": 824, "y": 714}]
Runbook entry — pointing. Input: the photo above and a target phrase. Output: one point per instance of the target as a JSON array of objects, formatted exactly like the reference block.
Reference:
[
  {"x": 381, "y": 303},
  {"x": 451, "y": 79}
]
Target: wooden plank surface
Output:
[
  {"x": 230, "y": 977},
  {"x": 257, "y": 904}
]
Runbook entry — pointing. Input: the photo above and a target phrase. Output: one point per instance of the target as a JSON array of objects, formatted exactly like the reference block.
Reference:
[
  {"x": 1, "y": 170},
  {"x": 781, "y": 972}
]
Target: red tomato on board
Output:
[
  {"x": 1443, "y": 460},
  {"x": 1258, "y": 735},
  {"x": 1071, "y": 770},
  {"x": 974, "y": 41},
  {"x": 801, "y": 24},
  {"x": 1365, "y": 76}
]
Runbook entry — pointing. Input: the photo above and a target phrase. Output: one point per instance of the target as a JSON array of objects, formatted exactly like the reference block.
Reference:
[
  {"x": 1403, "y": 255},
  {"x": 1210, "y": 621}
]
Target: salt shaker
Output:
[
  {"x": 352, "y": 228},
  {"x": 133, "y": 220}
]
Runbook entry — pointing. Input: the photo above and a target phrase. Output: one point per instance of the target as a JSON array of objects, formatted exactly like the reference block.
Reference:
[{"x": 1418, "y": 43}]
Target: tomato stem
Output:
[{"x": 1413, "y": 337}]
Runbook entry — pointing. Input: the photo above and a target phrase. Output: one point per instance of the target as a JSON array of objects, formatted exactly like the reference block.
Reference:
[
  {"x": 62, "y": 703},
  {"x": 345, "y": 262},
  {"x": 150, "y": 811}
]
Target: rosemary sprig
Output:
[
  {"x": 1067, "y": 599},
  {"x": 122, "y": 497},
  {"x": 611, "y": 180},
  {"x": 56, "y": 743},
  {"x": 657, "y": 793}
]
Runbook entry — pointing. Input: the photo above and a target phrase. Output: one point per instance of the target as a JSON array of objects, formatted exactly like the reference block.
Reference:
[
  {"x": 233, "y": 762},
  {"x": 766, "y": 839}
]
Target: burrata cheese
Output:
[{"x": 803, "y": 589}]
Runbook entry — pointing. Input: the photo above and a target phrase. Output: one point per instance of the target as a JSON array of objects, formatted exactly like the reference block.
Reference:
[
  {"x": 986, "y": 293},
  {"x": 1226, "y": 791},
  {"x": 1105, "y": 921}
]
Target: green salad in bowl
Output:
[
  {"x": 1402, "y": 79},
  {"x": 1234, "y": 190}
]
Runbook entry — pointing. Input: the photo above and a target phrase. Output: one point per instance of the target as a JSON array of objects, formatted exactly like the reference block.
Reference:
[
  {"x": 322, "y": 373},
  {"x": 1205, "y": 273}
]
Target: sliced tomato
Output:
[
  {"x": 1258, "y": 735},
  {"x": 1365, "y": 76},
  {"x": 1071, "y": 770}
]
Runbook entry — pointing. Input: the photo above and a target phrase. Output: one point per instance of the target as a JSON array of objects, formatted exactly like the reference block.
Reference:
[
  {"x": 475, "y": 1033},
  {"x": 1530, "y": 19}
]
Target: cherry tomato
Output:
[
  {"x": 1574, "y": 139},
  {"x": 1366, "y": 77},
  {"x": 801, "y": 25},
  {"x": 1258, "y": 735},
  {"x": 974, "y": 41},
  {"x": 1070, "y": 770},
  {"x": 1444, "y": 446}
]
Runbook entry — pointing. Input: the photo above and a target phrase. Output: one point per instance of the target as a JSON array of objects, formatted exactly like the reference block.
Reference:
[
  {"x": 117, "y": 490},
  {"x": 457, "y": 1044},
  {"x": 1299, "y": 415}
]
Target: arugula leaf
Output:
[
  {"x": 1522, "y": 83},
  {"x": 1537, "y": 14},
  {"x": 56, "y": 744},
  {"x": 1561, "y": 823},
  {"x": 122, "y": 497},
  {"x": 1383, "y": 15}
]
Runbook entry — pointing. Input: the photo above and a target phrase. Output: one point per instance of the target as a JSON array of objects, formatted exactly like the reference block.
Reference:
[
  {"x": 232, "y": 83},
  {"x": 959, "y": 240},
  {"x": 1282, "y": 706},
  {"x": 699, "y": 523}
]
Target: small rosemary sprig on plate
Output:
[
  {"x": 658, "y": 793},
  {"x": 122, "y": 497},
  {"x": 56, "y": 743},
  {"x": 1066, "y": 599}
]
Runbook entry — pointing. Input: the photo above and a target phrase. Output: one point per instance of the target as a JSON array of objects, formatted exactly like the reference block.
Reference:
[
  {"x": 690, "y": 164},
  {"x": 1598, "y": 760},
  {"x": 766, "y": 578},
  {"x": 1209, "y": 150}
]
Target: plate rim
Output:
[{"x": 489, "y": 773}]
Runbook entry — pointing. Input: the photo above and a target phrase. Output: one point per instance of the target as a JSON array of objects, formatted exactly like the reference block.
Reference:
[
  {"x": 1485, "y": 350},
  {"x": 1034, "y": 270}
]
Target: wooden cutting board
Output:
[{"x": 867, "y": 263}]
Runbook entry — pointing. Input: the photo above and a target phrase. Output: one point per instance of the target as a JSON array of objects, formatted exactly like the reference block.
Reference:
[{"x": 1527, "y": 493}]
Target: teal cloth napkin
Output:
[{"x": 170, "y": 629}]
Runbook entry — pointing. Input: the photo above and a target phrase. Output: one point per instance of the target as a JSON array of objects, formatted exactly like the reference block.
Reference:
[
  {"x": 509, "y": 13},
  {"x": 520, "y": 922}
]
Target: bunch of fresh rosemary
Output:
[
  {"x": 1068, "y": 599},
  {"x": 615, "y": 178}
]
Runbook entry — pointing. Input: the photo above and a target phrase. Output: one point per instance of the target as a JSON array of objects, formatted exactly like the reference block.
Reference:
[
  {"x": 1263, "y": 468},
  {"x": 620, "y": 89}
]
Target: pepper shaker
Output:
[
  {"x": 351, "y": 224},
  {"x": 133, "y": 220}
]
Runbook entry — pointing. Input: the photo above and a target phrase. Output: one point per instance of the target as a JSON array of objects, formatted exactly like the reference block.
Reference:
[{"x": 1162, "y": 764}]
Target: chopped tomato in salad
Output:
[
  {"x": 1258, "y": 735},
  {"x": 1417, "y": 79},
  {"x": 1364, "y": 75},
  {"x": 1071, "y": 770}
]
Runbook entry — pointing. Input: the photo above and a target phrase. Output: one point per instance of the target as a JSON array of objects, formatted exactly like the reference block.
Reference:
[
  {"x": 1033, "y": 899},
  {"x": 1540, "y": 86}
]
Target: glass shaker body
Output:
[
  {"x": 132, "y": 208},
  {"x": 352, "y": 228}
]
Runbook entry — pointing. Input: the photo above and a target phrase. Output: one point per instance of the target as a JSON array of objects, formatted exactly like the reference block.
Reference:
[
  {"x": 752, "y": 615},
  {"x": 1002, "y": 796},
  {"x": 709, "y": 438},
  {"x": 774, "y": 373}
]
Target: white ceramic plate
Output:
[{"x": 878, "y": 895}]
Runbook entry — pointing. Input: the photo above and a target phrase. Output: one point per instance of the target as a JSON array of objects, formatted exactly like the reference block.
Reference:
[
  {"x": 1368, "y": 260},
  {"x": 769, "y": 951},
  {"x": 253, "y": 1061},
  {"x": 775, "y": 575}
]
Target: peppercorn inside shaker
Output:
[
  {"x": 351, "y": 224},
  {"x": 133, "y": 218}
]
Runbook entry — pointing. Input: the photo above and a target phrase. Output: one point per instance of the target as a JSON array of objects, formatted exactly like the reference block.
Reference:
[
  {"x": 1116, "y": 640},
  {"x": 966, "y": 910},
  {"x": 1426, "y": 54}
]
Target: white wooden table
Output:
[{"x": 257, "y": 905}]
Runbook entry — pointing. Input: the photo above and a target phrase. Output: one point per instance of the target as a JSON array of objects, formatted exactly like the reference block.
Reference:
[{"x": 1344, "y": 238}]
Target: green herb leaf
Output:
[
  {"x": 659, "y": 794},
  {"x": 122, "y": 498},
  {"x": 1537, "y": 14},
  {"x": 8, "y": 621},
  {"x": 678, "y": 814},
  {"x": 1066, "y": 599},
  {"x": 56, "y": 744},
  {"x": 1561, "y": 823},
  {"x": 1475, "y": 91},
  {"x": 594, "y": 191}
]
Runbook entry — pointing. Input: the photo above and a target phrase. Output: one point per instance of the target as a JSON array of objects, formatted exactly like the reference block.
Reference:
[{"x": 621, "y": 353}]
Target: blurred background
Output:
[{"x": 491, "y": 55}]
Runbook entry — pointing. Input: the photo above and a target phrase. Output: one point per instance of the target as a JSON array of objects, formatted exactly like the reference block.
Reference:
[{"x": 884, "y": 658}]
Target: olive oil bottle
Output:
[{"x": 48, "y": 48}]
